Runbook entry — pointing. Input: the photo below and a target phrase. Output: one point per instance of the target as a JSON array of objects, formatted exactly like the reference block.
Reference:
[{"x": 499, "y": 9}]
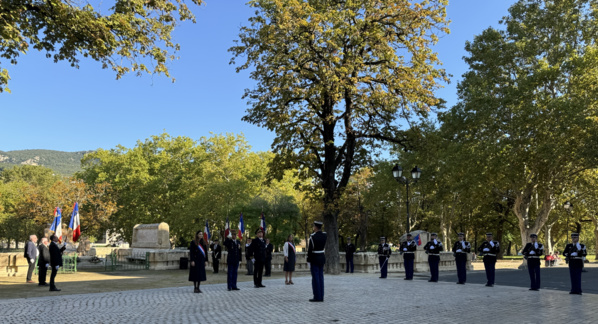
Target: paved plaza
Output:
[{"x": 348, "y": 299}]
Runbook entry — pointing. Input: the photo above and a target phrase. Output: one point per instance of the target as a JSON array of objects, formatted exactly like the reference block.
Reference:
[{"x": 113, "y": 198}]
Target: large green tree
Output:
[
  {"x": 525, "y": 118},
  {"x": 333, "y": 79},
  {"x": 119, "y": 37}
]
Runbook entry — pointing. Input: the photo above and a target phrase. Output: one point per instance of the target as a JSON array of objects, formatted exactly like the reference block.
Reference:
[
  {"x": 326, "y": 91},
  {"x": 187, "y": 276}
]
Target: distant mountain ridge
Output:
[{"x": 65, "y": 163}]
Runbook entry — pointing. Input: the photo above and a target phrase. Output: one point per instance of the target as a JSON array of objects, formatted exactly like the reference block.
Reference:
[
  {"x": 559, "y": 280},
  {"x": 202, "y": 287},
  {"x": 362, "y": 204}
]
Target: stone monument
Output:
[{"x": 151, "y": 236}]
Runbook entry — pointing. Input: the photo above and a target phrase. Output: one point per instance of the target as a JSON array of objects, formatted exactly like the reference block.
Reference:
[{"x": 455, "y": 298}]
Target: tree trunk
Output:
[
  {"x": 332, "y": 265},
  {"x": 549, "y": 247}
]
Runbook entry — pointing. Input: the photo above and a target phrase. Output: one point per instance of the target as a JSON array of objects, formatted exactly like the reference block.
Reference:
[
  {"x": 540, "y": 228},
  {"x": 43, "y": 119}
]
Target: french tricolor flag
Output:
[
  {"x": 227, "y": 228},
  {"x": 241, "y": 227},
  {"x": 206, "y": 233},
  {"x": 263, "y": 224},
  {"x": 57, "y": 224},
  {"x": 75, "y": 223},
  {"x": 418, "y": 240}
]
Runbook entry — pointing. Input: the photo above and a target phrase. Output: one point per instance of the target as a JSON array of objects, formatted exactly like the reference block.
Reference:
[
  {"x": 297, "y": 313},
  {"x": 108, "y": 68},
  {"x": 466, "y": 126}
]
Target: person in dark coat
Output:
[
  {"x": 384, "y": 253},
  {"x": 233, "y": 259},
  {"x": 316, "y": 260},
  {"x": 349, "y": 251},
  {"x": 575, "y": 253},
  {"x": 257, "y": 253},
  {"x": 249, "y": 264},
  {"x": 408, "y": 249},
  {"x": 490, "y": 250},
  {"x": 216, "y": 254},
  {"x": 198, "y": 255},
  {"x": 43, "y": 262},
  {"x": 31, "y": 254},
  {"x": 289, "y": 260},
  {"x": 433, "y": 249},
  {"x": 268, "y": 263},
  {"x": 55, "y": 260},
  {"x": 532, "y": 252},
  {"x": 460, "y": 250}
]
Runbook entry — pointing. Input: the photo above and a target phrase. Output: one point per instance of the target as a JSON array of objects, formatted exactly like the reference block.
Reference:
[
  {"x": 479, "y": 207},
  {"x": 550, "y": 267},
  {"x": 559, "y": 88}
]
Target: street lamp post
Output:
[
  {"x": 568, "y": 208},
  {"x": 397, "y": 173}
]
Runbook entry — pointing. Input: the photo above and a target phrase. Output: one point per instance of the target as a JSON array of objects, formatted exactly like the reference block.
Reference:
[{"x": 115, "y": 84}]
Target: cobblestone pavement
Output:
[{"x": 348, "y": 299}]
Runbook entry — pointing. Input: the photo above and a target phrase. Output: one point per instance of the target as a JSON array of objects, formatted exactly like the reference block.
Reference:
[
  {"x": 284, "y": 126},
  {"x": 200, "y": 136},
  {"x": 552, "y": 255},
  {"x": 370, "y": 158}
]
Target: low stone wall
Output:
[{"x": 13, "y": 264}]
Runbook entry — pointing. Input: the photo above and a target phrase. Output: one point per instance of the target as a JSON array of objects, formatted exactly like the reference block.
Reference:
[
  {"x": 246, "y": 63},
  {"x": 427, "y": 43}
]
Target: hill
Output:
[{"x": 65, "y": 163}]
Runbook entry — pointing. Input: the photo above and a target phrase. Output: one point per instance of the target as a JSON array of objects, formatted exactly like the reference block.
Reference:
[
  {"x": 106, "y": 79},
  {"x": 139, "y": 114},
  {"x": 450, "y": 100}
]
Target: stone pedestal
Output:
[{"x": 151, "y": 236}]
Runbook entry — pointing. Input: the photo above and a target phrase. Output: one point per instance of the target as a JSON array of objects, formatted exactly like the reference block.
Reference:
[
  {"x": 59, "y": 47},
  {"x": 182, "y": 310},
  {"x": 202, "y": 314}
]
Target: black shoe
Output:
[
  {"x": 54, "y": 289},
  {"x": 432, "y": 280},
  {"x": 229, "y": 289},
  {"x": 256, "y": 286},
  {"x": 489, "y": 285},
  {"x": 532, "y": 289},
  {"x": 573, "y": 293},
  {"x": 44, "y": 284},
  {"x": 382, "y": 277},
  {"x": 315, "y": 300},
  {"x": 262, "y": 286},
  {"x": 460, "y": 283},
  {"x": 406, "y": 279},
  {"x": 236, "y": 289}
]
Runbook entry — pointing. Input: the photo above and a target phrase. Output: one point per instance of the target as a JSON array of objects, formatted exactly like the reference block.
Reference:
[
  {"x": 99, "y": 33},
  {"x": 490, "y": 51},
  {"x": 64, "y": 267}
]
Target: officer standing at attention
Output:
[
  {"x": 316, "y": 260},
  {"x": 233, "y": 260},
  {"x": 460, "y": 250},
  {"x": 574, "y": 253},
  {"x": 532, "y": 252},
  {"x": 349, "y": 251},
  {"x": 384, "y": 253},
  {"x": 433, "y": 249},
  {"x": 216, "y": 254},
  {"x": 257, "y": 253},
  {"x": 408, "y": 251},
  {"x": 489, "y": 249}
]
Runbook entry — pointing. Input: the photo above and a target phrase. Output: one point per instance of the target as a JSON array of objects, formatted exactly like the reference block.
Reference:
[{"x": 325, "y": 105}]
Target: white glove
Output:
[
  {"x": 57, "y": 267},
  {"x": 32, "y": 260},
  {"x": 459, "y": 250},
  {"x": 532, "y": 252},
  {"x": 404, "y": 249},
  {"x": 253, "y": 260},
  {"x": 431, "y": 247},
  {"x": 574, "y": 254},
  {"x": 47, "y": 265},
  {"x": 486, "y": 249}
]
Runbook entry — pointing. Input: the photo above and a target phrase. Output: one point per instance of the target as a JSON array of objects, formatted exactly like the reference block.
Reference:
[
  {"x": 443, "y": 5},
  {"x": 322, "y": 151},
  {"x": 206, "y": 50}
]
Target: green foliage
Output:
[
  {"x": 332, "y": 78},
  {"x": 119, "y": 38},
  {"x": 63, "y": 163}
]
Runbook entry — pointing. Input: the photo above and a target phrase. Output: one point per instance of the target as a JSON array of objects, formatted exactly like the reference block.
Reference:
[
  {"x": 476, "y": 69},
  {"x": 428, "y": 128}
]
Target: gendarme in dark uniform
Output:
[
  {"x": 532, "y": 252},
  {"x": 433, "y": 249},
  {"x": 257, "y": 252},
  {"x": 216, "y": 254},
  {"x": 233, "y": 259},
  {"x": 490, "y": 250},
  {"x": 349, "y": 251},
  {"x": 384, "y": 253},
  {"x": 316, "y": 260},
  {"x": 408, "y": 249},
  {"x": 574, "y": 253},
  {"x": 460, "y": 251}
]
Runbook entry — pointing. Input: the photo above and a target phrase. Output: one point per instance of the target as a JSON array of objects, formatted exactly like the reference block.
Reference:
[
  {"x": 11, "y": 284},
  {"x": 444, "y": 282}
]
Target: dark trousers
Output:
[
  {"x": 268, "y": 265},
  {"x": 249, "y": 266},
  {"x": 408, "y": 268},
  {"x": 433, "y": 261},
  {"x": 30, "y": 270},
  {"x": 575, "y": 274},
  {"x": 258, "y": 271},
  {"x": 41, "y": 274},
  {"x": 215, "y": 263},
  {"x": 489, "y": 265},
  {"x": 317, "y": 281},
  {"x": 383, "y": 266},
  {"x": 349, "y": 262},
  {"x": 231, "y": 275},
  {"x": 533, "y": 266},
  {"x": 461, "y": 261},
  {"x": 52, "y": 277}
]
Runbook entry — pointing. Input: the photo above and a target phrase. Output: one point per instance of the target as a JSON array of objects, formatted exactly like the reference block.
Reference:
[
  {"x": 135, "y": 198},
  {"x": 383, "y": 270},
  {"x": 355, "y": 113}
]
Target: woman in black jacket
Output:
[{"x": 199, "y": 261}]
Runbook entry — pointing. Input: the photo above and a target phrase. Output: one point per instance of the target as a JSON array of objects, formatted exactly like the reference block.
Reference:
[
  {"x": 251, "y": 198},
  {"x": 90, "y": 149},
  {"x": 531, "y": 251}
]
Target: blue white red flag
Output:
[
  {"x": 263, "y": 223},
  {"x": 75, "y": 223},
  {"x": 206, "y": 233},
  {"x": 227, "y": 228},
  {"x": 241, "y": 227},
  {"x": 418, "y": 240},
  {"x": 57, "y": 224}
]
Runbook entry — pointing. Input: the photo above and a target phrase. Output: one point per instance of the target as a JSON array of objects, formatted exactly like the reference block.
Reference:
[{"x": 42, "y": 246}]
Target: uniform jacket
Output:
[
  {"x": 493, "y": 249},
  {"x": 257, "y": 249},
  {"x": 317, "y": 242},
  {"x": 234, "y": 251},
  {"x": 531, "y": 247},
  {"x": 575, "y": 261},
  {"x": 216, "y": 251},
  {"x": 437, "y": 247},
  {"x": 384, "y": 250},
  {"x": 459, "y": 246},
  {"x": 269, "y": 250},
  {"x": 349, "y": 250},
  {"x": 44, "y": 256}
]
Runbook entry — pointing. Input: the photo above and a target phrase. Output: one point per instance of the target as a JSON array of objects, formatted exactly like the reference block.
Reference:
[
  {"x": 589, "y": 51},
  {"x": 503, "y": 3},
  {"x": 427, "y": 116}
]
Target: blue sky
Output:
[{"x": 54, "y": 106}]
